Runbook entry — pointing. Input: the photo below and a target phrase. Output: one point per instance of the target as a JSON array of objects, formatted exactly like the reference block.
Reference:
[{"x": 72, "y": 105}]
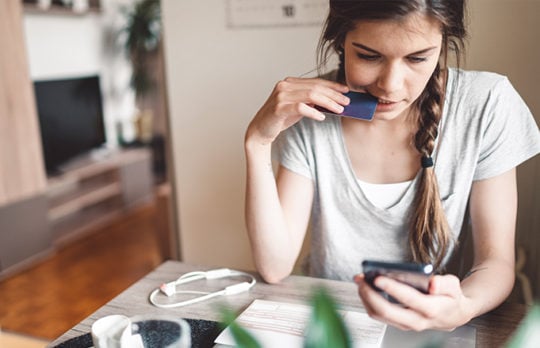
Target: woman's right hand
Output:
[
  {"x": 276, "y": 219},
  {"x": 292, "y": 99}
]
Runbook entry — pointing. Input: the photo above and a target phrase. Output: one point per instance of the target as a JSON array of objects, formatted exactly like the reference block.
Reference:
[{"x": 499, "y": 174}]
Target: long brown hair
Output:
[{"x": 430, "y": 235}]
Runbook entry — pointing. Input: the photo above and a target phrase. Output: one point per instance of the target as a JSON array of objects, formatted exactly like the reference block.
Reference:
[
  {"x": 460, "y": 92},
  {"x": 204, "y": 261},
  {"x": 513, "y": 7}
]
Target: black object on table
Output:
[{"x": 203, "y": 335}]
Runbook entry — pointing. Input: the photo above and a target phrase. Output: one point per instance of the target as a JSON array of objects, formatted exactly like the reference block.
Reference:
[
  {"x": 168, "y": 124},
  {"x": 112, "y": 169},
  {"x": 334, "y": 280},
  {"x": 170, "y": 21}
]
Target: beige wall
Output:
[
  {"x": 217, "y": 79},
  {"x": 504, "y": 38}
]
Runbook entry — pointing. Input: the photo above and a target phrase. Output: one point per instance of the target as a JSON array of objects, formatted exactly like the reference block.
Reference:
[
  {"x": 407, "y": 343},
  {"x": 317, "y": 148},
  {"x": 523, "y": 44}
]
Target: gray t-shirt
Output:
[{"x": 486, "y": 130}]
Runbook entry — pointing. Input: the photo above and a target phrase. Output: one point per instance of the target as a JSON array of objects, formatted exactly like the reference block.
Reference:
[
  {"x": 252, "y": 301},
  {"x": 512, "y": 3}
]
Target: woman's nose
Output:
[{"x": 391, "y": 78}]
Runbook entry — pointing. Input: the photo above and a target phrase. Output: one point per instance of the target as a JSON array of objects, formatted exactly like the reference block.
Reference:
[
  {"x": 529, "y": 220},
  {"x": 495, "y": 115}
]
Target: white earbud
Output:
[{"x": 168, "y": 288}]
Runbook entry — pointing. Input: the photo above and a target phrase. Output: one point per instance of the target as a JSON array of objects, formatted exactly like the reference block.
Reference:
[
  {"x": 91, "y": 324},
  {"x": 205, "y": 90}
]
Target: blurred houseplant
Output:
[
  {"x": 326, "y": 327},
  {"x": 141, "y": 38},
  {"x": 528, "y": 332}
]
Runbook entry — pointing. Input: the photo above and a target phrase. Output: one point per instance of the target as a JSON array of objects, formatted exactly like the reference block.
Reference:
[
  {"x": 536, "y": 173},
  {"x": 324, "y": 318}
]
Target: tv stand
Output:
[{"x": 93, "y": 190}]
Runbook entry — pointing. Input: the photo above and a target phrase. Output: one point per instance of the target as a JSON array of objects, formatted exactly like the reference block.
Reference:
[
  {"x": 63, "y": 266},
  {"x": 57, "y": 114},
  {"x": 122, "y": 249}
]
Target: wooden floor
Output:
[{"x": 50, "y": 298}]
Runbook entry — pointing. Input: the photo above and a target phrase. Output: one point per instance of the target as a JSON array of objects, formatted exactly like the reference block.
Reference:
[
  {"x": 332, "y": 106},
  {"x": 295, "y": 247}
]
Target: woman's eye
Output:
[
  {"x": 417, "y": 59},
  {"x": 368, "y": 57}
]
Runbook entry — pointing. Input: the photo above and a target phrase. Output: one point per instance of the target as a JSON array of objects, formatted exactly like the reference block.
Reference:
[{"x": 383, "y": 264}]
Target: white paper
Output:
[{"x": 278, "y": 324}]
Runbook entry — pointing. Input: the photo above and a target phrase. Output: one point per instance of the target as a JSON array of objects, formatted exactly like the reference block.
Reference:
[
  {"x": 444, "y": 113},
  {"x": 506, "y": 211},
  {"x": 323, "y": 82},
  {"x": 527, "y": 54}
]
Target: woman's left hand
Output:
[{"x": 444, "y": 308}]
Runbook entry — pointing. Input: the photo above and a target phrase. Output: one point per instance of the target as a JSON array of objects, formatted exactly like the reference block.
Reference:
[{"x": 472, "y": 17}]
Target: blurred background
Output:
[{"x": 121, "y": 138}]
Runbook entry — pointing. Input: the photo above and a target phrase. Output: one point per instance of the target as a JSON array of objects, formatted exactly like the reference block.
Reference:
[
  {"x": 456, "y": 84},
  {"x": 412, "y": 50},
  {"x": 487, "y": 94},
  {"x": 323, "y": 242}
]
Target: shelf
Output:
[
  {"x": 31, "y": 7},
  {"x": 82, "y": 222},
  {"x": 80, "y": 200},
  {"x": 93, "y": 189}
]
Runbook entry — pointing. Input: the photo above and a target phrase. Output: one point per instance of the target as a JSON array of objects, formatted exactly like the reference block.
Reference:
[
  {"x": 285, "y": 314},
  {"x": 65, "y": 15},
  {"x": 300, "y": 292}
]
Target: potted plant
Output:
[{"x": 142, "y": 41}]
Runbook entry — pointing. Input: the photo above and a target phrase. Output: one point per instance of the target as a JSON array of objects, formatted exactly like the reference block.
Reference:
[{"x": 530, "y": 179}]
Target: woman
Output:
[{"x": 396, "y": 188}]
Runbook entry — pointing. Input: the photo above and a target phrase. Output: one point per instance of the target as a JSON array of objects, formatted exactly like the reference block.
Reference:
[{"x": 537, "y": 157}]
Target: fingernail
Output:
[
  {"x": 432, "y": 287},
  {"x": 380, "y": 283}
]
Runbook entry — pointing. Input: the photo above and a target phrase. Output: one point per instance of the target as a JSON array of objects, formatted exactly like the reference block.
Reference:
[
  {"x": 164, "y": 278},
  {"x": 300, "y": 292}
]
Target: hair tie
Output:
[{"x": 427, "y": 162}]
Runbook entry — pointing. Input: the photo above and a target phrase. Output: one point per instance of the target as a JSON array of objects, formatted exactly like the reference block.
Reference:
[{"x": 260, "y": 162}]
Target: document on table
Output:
[{"x": 279, "y": 324}]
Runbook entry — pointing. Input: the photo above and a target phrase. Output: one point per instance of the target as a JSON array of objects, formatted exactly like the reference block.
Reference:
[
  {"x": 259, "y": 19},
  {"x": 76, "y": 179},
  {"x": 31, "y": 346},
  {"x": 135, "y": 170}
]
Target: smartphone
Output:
[
  {"x": 416, "y": 275},
  {"x": 362, "y": 106}
]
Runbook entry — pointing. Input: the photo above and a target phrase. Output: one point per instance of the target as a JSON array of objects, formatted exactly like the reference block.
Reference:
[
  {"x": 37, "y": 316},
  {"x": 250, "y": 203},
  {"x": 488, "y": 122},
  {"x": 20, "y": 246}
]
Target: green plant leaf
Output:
[
  {"x": 242, "y": 338},
  {"x": 326, "y": 328},
  {"x": 528, "y": 332},
  {"x": 143, "y": 26}
]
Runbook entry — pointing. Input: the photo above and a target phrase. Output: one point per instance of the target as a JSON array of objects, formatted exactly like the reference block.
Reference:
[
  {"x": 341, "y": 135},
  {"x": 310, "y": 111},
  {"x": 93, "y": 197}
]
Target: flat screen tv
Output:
[{"x": 71, "y": 118}]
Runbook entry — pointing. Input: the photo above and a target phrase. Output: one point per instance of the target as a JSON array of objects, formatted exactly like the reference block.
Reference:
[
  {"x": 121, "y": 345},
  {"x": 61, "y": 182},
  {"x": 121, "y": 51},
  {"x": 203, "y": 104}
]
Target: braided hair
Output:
[{"x": 429, "y": 236}]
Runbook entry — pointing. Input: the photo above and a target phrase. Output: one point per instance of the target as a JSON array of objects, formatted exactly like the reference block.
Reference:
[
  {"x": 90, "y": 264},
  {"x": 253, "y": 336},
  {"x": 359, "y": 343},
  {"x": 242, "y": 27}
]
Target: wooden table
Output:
[{"x": 493, "y": 329}]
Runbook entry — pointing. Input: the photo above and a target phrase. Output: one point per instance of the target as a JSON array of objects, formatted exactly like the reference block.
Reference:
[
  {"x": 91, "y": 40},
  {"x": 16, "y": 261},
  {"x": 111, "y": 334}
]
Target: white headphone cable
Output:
[{"x": 169, "y": 289}]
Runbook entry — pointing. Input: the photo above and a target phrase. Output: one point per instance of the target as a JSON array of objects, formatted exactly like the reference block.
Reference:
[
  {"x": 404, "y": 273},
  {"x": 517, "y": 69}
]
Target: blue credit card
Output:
[{"x": 362, "y": 106}]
